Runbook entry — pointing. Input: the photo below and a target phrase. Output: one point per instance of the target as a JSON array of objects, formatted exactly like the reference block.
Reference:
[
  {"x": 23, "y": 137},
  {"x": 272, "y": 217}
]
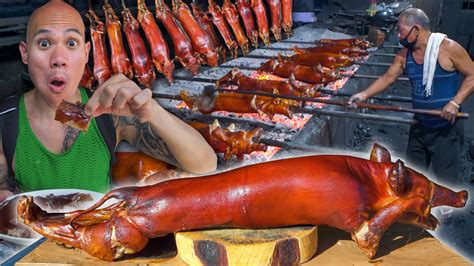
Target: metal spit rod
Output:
[
  {"x": 294, "y": 146},
  {"x": 181, "y": 113},
  {"x": 289, "y": 49},
  {"x": 212, "y": 80},
  {"x": 322, "y": 90},
  {"x": 383, "y": 118}
]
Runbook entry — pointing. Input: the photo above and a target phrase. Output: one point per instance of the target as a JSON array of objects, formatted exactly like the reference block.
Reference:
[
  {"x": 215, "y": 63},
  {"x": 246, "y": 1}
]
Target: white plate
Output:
[{"x": 57, "y": 192}]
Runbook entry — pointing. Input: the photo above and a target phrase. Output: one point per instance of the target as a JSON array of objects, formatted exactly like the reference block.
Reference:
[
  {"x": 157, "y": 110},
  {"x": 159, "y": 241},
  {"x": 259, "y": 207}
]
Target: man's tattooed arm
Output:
[
  {"x": 71, "y": 136},
  {"x": 146, "y": 141}
]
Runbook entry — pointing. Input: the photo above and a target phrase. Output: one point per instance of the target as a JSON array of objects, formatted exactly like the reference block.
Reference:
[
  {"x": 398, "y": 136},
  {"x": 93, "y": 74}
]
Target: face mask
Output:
[{"x": 406, "y": 44}]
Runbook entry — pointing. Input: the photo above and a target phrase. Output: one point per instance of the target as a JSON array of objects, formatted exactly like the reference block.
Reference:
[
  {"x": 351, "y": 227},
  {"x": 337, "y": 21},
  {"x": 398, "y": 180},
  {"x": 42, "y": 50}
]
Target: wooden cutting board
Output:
[{"x": 280, "y": 246}]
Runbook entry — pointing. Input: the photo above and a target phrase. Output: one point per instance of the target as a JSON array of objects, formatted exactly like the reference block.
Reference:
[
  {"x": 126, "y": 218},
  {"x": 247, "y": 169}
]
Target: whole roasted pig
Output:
[
  {"x": 209, "y": 101},
  {"x": 363, "y": 197},
  {"x": 229, "y": 140},
  {"x": 309, "y": 74}
]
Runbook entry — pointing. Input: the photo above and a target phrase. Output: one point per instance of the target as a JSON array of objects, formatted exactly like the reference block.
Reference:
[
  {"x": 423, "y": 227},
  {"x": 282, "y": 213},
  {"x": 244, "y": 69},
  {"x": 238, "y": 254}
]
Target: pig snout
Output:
[{"x": 445, "y": 196}]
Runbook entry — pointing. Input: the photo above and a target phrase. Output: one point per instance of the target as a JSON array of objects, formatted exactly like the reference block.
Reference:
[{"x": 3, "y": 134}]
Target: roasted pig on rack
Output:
[
  {"x": 210, "y": 101},
  {"x": 200, "y": 40},
  {"x": 183, "y": 48},
  {"x": 119, "y": 58},
  {"x": 159, "y": 48},
  {"x": 285, "y": 87},
  {"x": 336, "y": 49},
  {"x": 329, "y": 60},
  {"x": 229, "y": 140},
  {"x": 360, "y": 196},
  {"x": 309, "y": 74},
  {"x": 141, "y": 61},
  {"x": 102, "y": 69},
  {"x": 73, "y": 115},
  {"x": 137, "y": 168},
  {"x": 355, "y": 42}
]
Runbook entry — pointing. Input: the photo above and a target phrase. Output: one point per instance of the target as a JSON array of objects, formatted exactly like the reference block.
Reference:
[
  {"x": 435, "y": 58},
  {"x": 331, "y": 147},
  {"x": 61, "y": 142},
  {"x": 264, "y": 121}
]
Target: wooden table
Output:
[{"x": 400, "y": 245}]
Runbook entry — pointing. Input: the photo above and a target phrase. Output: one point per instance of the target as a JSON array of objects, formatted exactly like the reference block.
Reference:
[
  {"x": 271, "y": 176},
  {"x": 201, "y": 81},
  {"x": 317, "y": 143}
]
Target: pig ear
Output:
[
  {"x": 398, "y": 178},
  {"x": 380, "y": 154}
]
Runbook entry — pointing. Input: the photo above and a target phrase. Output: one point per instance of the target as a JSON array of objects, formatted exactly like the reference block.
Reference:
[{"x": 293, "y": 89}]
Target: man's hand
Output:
[
  {"x": 5, "y": 194},
  {"x": 449, "y": 111},
  {"x": 121, "y": 96},
  {"x": 358, "y": 97}
]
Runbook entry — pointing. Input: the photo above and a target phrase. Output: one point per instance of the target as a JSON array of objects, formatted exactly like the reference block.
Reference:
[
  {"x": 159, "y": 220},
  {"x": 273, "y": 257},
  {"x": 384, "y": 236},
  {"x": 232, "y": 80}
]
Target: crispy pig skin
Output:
[{"x": 73, "y": 115}]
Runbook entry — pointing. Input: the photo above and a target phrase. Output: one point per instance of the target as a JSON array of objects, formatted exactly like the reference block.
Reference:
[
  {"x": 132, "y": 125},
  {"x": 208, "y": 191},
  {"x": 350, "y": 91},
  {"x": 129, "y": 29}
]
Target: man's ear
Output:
[
  {"x": 23, "y": 50},
  {"x": 88, "y": 49}
]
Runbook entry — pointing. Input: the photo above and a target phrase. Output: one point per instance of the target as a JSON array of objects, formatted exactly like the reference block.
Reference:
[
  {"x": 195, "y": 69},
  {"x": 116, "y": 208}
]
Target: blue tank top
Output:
[{"x": 444, "y": 87}]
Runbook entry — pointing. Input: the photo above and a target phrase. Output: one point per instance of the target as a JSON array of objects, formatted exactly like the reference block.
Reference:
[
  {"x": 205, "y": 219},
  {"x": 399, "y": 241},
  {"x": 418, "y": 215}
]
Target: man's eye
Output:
[
  {"x": 72, "y": 43},
  {"x": 43, "y": 43}
]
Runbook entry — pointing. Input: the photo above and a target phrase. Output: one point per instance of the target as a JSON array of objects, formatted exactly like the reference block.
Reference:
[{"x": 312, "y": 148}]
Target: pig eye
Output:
[{"x": 43, "y": 43}]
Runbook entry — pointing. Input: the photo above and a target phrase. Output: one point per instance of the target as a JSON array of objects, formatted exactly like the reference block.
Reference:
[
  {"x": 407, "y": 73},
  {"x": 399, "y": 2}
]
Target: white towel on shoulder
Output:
[{"x": 431, "y": 58}]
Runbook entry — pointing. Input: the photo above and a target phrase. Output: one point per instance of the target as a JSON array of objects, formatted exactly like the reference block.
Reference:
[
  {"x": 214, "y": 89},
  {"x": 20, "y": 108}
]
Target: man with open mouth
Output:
[{"x": 39, "y": 152}]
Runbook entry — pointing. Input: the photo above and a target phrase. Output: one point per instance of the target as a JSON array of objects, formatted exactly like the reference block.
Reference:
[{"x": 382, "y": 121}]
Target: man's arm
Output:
[
  {"x": 152, "y": 129},
  {"x": 463, "y": 63},
  {"x": 4, "y": 192},
  {"x": 382, "y": 83}
]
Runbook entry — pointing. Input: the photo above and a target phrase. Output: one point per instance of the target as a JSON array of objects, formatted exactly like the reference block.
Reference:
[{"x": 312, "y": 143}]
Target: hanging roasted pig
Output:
[
  {"x": 159, "y": 48},
  {"x": 200, "y": 40},
  {"x": 183, "y": 48},
  {"x": 102, "y": 69},
  {"x": 141, "y": 61},
  {"x": 284, "y": 87},
  {"x": 232, "y": 17},
  {"x": 275, "y": 15},
  {"x": 219, "y": 21},
  {"x": 246, "y": 13},
  {"x": 229, "y": 140},
  {"x": 210, "y": 101},
  {"x": 262, "y": 23},
  {"x": 363, "y": 197},
  {"x": 120, "y": 62},
  {"x": 206, "y": 23},
  {"x": 87, "y": 80},
  {"x": 286, "y": 16},
  {"x": 309, "y": 74}
]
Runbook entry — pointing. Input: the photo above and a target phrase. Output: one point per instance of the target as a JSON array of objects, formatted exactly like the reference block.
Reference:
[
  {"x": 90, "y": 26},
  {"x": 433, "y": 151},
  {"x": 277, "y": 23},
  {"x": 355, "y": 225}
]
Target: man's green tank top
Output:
[{"x": 85, "y": 165}]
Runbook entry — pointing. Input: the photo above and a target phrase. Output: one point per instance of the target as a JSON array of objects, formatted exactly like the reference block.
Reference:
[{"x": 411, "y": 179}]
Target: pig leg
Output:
[
  {"x": 370, "y": 232},
  {"x": 425, "y": 222}
]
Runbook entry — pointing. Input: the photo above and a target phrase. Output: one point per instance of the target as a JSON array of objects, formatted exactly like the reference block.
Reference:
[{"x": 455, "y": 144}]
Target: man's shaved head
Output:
[
  {"x": 55, "y": 51},
  {"x": 54, "y": 13}
]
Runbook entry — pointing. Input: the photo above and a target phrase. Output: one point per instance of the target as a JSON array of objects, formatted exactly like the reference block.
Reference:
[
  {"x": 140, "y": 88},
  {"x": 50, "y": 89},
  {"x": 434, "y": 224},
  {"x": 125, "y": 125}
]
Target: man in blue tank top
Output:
[{"x": 432, "y": 140}]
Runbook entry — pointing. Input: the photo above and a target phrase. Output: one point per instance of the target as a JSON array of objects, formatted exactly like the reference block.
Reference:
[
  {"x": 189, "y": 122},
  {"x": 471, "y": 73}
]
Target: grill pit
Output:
[{"x": 303, "y": 132}]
